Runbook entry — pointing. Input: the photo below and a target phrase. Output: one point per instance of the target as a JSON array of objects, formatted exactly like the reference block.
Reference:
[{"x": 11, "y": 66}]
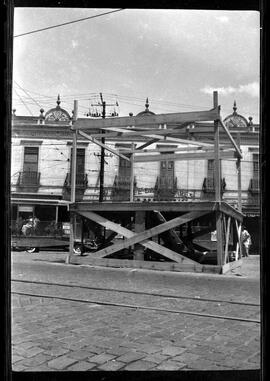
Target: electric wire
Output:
[{"x": 69, "y": 22}]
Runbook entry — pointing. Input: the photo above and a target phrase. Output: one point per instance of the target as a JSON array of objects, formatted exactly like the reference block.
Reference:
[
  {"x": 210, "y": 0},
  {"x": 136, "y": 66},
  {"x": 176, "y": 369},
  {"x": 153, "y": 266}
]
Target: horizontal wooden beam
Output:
[
  {"x": 183, "y": 156},
  {"x": 156, "y": 140},
  {"x": 128, "y": 132},
  {"x": 150, "y": 265},
  {"x": 140, "y": 237},
  {"x": 127, "y": 206},
  {"x": 84, "y": 124},
  {"x": 237, "y": 149},
  {"x": 89, "y": 137},
  {"x": 173, "y": 126}
]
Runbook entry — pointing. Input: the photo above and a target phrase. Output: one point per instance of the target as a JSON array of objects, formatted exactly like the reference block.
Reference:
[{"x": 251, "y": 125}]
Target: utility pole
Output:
[{"x": 103, "y": 104}]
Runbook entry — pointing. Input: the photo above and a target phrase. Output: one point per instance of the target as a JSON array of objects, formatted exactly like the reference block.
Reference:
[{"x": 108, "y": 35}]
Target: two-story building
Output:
[{"x": 41, "y": 156}]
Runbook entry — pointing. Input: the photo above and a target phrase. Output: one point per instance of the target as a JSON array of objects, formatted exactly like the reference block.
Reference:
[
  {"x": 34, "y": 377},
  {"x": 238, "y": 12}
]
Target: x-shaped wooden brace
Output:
[{"x": 142, "y": 238}]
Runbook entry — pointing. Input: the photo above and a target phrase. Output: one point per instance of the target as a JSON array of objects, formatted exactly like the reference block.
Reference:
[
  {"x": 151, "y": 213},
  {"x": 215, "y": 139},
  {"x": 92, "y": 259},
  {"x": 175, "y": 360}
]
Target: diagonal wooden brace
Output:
[{"x": 142, "y": 237}]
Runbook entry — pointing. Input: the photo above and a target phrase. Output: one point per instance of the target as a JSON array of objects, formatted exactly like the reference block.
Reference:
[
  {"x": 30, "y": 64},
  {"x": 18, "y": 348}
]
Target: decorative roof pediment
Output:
[
  {"x": 146, "y": 112},
  {"x": 235, "y": 119},
  {"x": 57, "y": 114}
]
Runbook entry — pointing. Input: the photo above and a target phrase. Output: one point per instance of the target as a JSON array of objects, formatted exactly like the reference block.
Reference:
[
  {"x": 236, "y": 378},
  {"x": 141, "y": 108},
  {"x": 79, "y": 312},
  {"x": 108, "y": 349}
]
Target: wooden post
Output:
[
  {"x": 74, "y": 156},
  {"x": 217, "y": 178},
  {"x": 56, "y": 214},
  {"x": 139, "y": 227},
  {"x": 132, "y": 175},
  {"x": 239, "y": 243},
  {"x": 82, "y": 230},
  {"x": 238, "y": 168},
  {"x": 71, "y": 237},
  {"x": 73, "y": 182},
  {"x": 227, "y": 239}
]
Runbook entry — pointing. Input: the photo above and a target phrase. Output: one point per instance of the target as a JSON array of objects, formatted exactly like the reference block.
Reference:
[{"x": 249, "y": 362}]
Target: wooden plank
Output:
[
  {"x": 217, "y": 168},
  {"x": 129, "y": 234},
  {"x": 139, "y": 227},
  {"x": 239, "y": 185},
  {"x": 231, "y": 265},
  {"x": 238, "y": 245},
  {"x": 142, "y": 236},
  {"x": 131, "y": 193},
  {"x": 182, "y": 156},
  {"x": 74, "y": 157},
  {"x": 89, "y": 137},
  {"x": 237, "y": 149},
  {"x": 39, "y": 241},
  {"x": 71, "y": 236},
  {"x": 169, "y": 138},
  {"x": 150, "y": 265},
  {"x": 224, "y": 207},
  {"x": 84, "y": 124},
  {"x": 217, "y": 181},
  {"x": 176, "y": 206},
  {"x": 227, "y": 239},
  {"x": 148, "y": 133},
  {"x": 174, "y": 149},
  {"x": 129, "y": 132},
  {"x": 175, "y": 126}
]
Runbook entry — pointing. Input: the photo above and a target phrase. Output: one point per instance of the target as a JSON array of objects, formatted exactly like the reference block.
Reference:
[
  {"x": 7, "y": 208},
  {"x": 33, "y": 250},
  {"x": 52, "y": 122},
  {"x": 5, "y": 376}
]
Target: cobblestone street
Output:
[{"x": 54, "y": 334}]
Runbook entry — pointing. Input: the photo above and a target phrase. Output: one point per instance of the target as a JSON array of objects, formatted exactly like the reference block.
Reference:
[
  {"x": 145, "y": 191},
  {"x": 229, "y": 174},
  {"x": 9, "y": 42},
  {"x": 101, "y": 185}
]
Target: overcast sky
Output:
[{"x": 176, "y": 58}]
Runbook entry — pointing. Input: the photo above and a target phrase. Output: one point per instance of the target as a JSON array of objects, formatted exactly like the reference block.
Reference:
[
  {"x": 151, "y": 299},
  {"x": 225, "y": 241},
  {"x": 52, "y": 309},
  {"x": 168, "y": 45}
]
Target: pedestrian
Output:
[
  {"x": 246, "y": 240},
  {"x": 27, "y": 227}
]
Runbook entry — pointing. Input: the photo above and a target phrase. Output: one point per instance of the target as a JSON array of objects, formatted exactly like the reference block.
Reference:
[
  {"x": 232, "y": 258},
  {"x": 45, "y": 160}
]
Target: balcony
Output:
[
  {"x": 28, "y": 179},
  {"x": 254, "y": 186},
  {"x": 165, "y": 189},
  {"x": 121, "y": 188},
  {"x": 81, "y": 181},
  {"x": 209, "y": 185}
]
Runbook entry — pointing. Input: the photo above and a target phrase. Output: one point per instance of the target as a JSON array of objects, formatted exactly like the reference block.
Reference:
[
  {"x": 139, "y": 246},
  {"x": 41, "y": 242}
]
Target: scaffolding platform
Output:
[{"x": 163, "y": 235}]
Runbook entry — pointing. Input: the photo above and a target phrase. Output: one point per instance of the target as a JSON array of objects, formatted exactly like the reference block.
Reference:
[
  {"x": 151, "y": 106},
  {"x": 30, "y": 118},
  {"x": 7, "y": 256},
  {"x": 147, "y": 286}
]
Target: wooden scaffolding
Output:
[{"x": 141, "y": 224}]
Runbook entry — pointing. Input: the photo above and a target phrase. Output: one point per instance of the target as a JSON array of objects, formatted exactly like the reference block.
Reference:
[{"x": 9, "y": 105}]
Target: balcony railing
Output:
[
  {"x": 121, "y": 188},
  {"x": 254, "y": 185},
  {"x": 29, "y": 178},
  {"x": 81, "y": 180},
  {"x": 209, "y": 185},
  {"x": 165, "y": 189}
]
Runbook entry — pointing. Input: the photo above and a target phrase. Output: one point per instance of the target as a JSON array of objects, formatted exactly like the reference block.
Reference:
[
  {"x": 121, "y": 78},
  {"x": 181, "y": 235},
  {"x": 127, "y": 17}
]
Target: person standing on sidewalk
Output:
[{"x": 246, "y": 240}]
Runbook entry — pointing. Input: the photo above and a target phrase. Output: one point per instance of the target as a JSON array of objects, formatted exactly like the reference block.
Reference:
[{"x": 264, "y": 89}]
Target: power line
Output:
[
  {"x": 69, "y": 22},
  {"x": 24, "y": 103},
  {"x": 27, "y": 94}
]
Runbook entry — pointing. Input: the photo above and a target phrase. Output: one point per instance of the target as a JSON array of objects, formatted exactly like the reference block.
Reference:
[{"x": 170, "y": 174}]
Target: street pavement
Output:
[{"x": 61, "y": 334}]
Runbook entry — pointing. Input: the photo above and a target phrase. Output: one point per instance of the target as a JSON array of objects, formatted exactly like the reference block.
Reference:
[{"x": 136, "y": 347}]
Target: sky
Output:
[{"x": 176, "y": 58}]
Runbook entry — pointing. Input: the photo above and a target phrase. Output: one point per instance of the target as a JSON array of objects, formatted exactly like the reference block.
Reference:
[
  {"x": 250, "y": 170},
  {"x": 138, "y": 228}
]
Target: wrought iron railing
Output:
[
  {"x": 123, "y": 182},
  {"x": 81, "y": 180},
  {"x": 209, "y": 185},
  {"x": 29, "y": 178},
  {"x": 254, "y": 185},
  {"x": 165, "y": 189}
]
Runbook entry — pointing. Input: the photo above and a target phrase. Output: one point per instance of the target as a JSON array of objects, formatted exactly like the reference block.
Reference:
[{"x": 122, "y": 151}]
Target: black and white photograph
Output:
[{"x": 135, "y": 197}]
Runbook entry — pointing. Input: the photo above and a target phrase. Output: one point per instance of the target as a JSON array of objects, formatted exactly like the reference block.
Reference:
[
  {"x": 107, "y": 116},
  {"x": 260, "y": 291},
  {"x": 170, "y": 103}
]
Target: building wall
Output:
[{"x": 54, "y": 164}]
